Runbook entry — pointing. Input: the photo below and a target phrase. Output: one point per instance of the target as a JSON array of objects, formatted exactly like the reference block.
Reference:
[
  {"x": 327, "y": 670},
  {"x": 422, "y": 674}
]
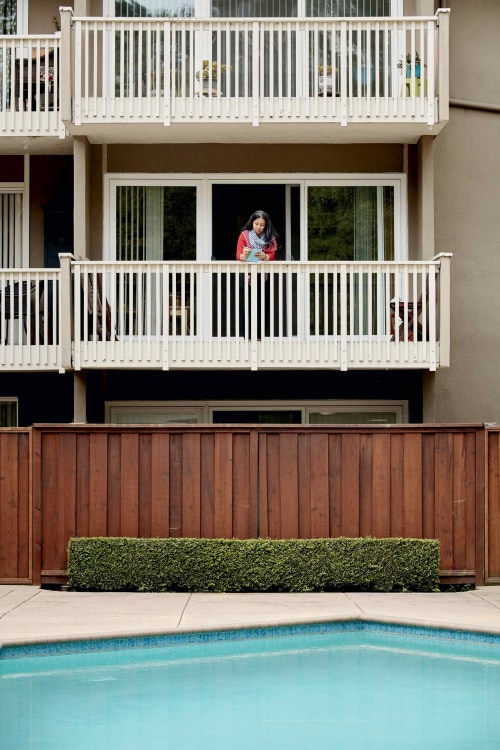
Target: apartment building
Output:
[{"x": 136, "y": 139}]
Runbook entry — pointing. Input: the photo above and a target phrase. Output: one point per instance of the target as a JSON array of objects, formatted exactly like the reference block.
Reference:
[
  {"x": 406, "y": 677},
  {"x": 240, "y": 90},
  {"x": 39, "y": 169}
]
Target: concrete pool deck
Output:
[{"x": 29, "y": 614}]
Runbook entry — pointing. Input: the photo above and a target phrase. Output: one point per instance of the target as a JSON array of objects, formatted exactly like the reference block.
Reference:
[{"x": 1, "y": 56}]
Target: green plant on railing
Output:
[{"x": 211, "y": 70}]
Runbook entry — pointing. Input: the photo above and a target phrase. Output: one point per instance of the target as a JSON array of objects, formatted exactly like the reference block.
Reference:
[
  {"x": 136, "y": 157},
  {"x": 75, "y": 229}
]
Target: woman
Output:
[
  {"x": 258, "y": 239},
  {"x": 257, "y": 243}
]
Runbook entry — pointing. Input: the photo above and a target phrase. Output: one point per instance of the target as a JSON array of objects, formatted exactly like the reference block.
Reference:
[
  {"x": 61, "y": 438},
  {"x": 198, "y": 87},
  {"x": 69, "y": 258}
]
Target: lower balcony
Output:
[
  {"x": 254, "y": 316},
  {"x": 140, "y": 315}
]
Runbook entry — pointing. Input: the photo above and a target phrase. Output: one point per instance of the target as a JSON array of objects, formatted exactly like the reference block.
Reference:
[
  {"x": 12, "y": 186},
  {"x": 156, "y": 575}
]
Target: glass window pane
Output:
[
  {"x": 131, "y": 416},
  {"x": 8, "y": 413},
  {"x": 155, "y": 223},
  {"x": 245, "y": 416},
  {"x": 154, "y": 8},
  {"x": 350, "y": 223},
  {"x": 11, "y": 225},
  {"x": 347, "y": 8},
  {"x": 8, "y": 16},
  {"x": 353, "y": 417},
  {"x": 254, "y": 8}
]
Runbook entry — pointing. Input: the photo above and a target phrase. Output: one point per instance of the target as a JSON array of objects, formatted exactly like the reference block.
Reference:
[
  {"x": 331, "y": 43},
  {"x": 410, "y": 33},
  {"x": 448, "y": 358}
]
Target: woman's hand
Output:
[{"x": 262, "y": 255}]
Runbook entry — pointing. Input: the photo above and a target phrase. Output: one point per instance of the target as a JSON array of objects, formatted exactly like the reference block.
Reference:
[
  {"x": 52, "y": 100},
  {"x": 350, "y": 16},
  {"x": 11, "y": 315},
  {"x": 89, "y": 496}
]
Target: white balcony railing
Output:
[
  {"x": 30, "y": 85},
  {"x": 30, "y": 320},
  {"x": 266, "y": 70},
  {"x": 277, "y": 315}
]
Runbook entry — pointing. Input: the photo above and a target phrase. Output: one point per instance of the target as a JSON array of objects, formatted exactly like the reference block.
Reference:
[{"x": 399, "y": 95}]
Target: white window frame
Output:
[
  {"x": 205, "y": 409},
  {"x": 204, "y": 182}
]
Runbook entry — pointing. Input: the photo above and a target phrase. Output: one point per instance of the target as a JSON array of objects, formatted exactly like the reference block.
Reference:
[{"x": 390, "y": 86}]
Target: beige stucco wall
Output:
[
  {"x": 230, "y": 158},
  {"x": 41, "y": 13},
  {"x": 467, "y": 221}
]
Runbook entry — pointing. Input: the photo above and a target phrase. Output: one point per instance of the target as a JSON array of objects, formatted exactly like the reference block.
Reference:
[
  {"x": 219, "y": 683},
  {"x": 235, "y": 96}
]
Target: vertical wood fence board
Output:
[
  {"x": 129, "y": 485},
  {"x": 412, "y": 486},
  {"x": 335, "y": 484},
  {"x": 24, "y": 506},
  {"x": 113, "y": 484},
  {"x": 144, "y": 487},
  {"x": 243, "y": 498},
  {"x": 480, "y": 494},
  {"x": 493, "y": 506},
  {"x": 381, "y": 484},
  {"x": 175, "y": 472},
  {"x": 207, "y": 477},
  {"x": 50, "y": 500},
  {"x": 470, "y": 502},
  {"x": 36, "y": 505},
  {"x": 289, "y": 485},
  {"x": 365, "y": 485},
  {"x": 191, "y": 485},
  {"x": 320, "y": 504},
  {"x": 304, "y": 486},
  {"x": 350, "y": 484},
  {"x": 397, "y": 485},
  {"x": 271, "y": 459},
  {"x": 98, "y": 485},
  {"x": 66, "y": 528},
  {"x": 444, "y": 497},
  {"x": 9, "y": 505},
  {"x": 160, "y": 486},
  {"x": 82, "y": 509},
  {"x": 459, "y": 502},
  {"x": 253, "y": 484},
  {"x": 223, "y": 485},
  {"x": 429, "y": 487},
  {"x": 263, "y": 499}
]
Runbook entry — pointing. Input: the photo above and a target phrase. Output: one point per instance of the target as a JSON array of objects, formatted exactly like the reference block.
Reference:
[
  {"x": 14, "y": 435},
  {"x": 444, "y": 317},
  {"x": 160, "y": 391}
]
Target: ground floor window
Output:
[
  {"x": 262, "y": 412},
  {"x": 8, "y": 412}
]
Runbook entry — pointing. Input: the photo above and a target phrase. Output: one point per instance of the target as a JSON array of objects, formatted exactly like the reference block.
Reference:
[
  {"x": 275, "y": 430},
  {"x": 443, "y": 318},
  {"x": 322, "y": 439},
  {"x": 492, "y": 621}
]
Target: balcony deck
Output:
[
  {"x": 149, "y": 315},
  {"x": 273, "y": 80}
]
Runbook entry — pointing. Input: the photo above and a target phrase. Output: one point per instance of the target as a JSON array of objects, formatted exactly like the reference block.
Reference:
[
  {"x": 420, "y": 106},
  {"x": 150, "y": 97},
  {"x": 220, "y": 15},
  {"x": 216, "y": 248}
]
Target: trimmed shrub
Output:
[{"x": 230, "y": 565}]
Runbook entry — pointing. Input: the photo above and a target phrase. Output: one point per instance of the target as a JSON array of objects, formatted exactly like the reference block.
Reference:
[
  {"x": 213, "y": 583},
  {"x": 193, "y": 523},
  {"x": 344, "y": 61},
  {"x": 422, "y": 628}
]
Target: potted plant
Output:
[
  {"x": 210, "y": 71},
  {"x": 409, "y": 60}
]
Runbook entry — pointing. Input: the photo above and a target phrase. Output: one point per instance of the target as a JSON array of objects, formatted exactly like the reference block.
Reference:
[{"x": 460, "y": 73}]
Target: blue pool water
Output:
[{"x": 335, "y": 686}]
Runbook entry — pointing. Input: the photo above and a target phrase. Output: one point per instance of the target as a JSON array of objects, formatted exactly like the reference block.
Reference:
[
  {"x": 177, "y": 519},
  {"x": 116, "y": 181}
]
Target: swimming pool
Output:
[{"x": 342, "y": 685}]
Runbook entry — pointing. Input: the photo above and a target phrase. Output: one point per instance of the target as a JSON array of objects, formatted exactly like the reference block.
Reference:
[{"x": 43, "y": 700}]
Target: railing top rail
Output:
[
  {"x": 292, "y": 263},
  {"x": 268, "y": 19},
  {"x": 30, "y": 37},
  {"x": 29, "y": 271}
]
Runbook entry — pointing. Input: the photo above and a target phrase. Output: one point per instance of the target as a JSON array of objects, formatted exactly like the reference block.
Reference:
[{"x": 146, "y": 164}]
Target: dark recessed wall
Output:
[{"x": 230, "y": 385}]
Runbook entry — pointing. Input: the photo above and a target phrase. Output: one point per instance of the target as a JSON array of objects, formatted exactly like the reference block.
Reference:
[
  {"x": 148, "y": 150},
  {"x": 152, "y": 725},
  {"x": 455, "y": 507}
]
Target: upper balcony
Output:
[
  {"x": 162, "y": 315},
  {"x": 237, "y": 80}
]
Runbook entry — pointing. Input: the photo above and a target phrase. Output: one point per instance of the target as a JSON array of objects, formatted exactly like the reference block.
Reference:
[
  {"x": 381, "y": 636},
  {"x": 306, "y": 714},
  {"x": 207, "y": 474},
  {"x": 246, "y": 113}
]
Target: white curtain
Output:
[
  {"x": 153, "y": 249},
  {"x": 11, "y": 225}
]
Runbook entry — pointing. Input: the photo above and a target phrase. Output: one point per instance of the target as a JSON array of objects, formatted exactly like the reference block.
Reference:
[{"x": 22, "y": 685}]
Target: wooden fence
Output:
[{"x": 59, "y": 481}]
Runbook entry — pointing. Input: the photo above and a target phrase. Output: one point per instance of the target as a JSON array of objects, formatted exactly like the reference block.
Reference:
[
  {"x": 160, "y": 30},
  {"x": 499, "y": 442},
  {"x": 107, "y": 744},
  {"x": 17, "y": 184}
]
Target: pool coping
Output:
[{"x": 140, "y": 638}]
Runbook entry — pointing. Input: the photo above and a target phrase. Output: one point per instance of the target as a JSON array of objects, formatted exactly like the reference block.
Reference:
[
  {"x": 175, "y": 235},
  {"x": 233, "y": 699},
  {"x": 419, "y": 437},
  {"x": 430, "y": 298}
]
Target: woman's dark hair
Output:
[{"x": 269, "y": 232}]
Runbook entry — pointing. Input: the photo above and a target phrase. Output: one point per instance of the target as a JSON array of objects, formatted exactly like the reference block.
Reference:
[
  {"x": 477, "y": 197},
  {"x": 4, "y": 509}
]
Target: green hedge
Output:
[{"x": 367, "y": 564}]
